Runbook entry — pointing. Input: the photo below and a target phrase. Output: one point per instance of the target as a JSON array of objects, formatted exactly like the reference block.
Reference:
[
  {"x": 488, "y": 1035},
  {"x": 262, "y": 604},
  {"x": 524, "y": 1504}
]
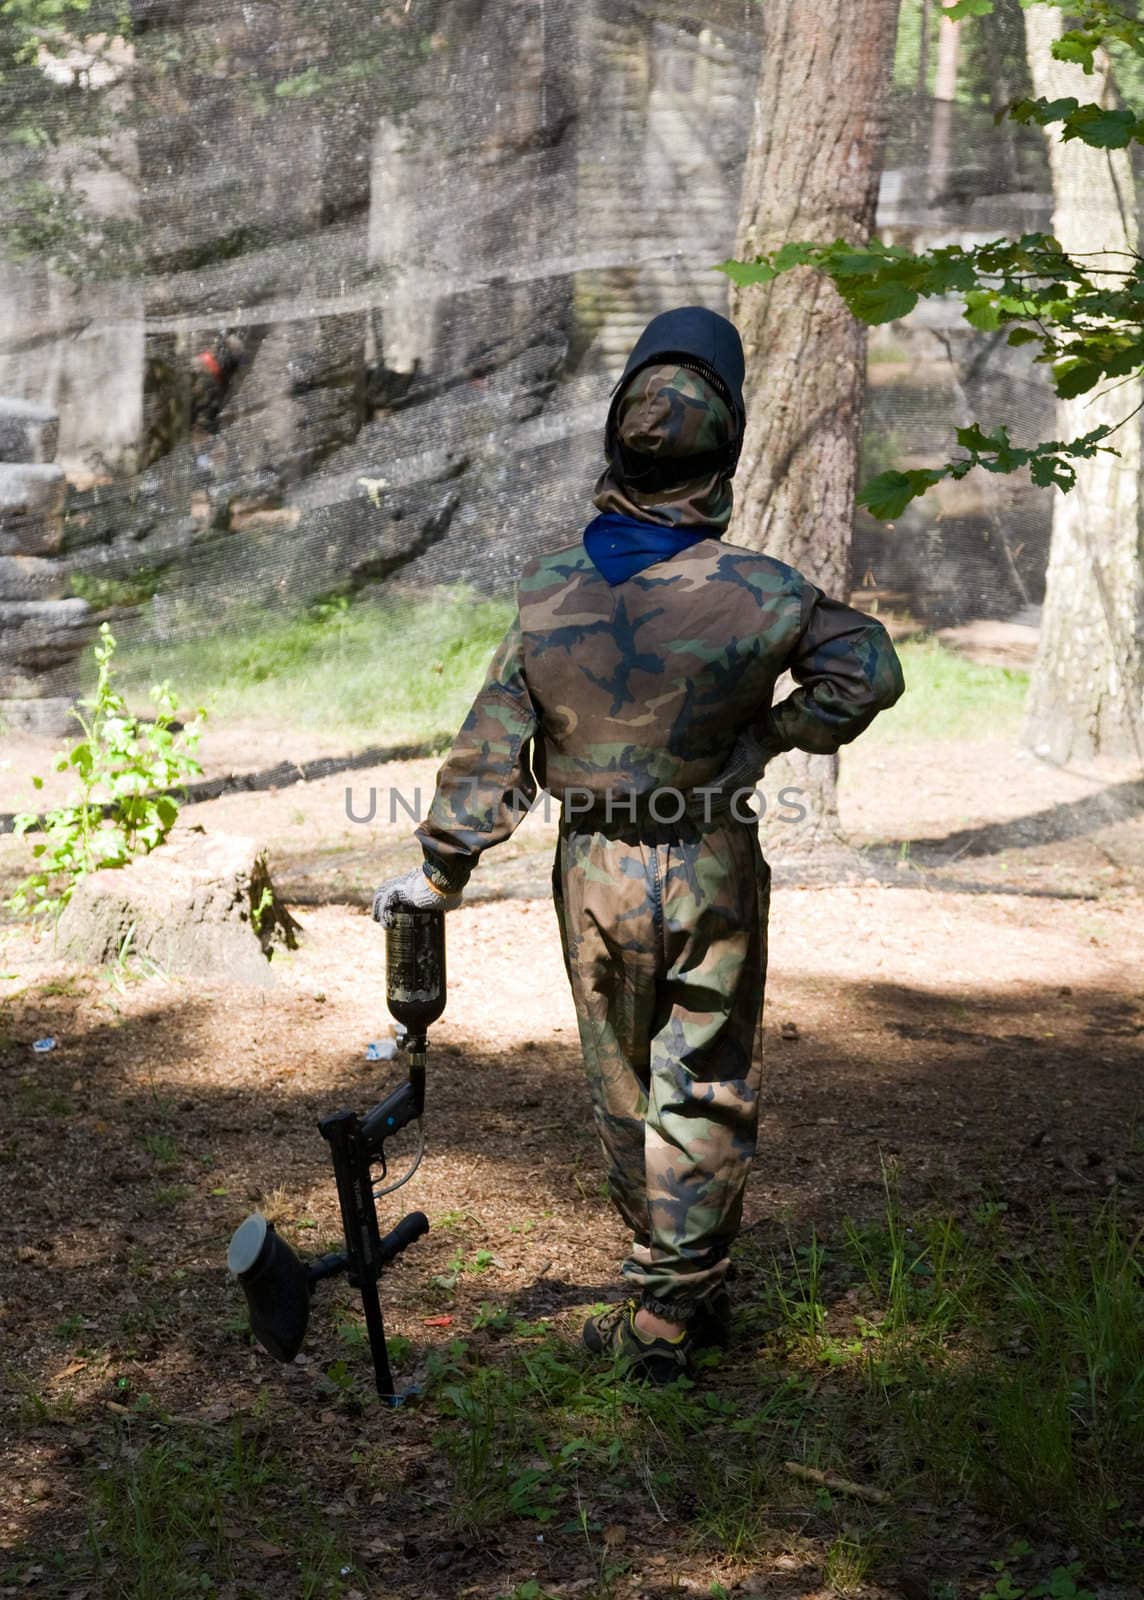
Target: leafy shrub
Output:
[{"x": 123, "y": 805}]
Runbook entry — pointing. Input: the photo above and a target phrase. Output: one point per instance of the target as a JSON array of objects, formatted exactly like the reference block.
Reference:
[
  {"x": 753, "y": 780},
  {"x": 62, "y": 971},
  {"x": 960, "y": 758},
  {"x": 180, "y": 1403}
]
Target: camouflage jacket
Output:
[{"x": 647, "y": 686}]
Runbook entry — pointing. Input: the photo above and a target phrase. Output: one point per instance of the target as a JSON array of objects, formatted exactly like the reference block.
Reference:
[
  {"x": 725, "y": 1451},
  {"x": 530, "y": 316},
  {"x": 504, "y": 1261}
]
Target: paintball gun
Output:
[{"x": 277, "y": 1285}]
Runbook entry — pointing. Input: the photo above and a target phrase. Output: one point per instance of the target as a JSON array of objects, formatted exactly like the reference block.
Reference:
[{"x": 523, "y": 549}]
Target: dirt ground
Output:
[{"x": 960, "y": 991}]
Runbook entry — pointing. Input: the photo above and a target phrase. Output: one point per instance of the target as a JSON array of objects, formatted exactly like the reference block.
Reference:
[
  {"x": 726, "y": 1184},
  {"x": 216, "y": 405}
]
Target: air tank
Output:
[{"x": 415, "y": 968}]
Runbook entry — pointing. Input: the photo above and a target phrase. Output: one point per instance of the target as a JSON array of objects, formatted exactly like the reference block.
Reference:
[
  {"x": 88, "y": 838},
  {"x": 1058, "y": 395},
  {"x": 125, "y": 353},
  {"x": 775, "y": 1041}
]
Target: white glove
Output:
[{"x": 413, "y": 890}]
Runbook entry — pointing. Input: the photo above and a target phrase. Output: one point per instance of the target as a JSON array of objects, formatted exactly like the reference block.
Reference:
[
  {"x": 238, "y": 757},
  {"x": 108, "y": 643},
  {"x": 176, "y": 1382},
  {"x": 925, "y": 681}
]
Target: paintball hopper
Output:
[{"x": 277, "y": 1285}]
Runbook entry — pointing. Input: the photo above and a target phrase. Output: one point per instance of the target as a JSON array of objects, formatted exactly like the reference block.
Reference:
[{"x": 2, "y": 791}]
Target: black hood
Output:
[{"x": 697, "y": 338}]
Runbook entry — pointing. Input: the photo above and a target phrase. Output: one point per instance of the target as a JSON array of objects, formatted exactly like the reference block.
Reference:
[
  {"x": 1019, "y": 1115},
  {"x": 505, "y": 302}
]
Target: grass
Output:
[
  {"x": 934, "y": 1360},
  {"x": 991, "y": 1370},
  {"x": 162, "y": 1149},
  {"x": 407, "y": 670},
  {"x": 950, "y": 697},
  {"x": 102, "y": 593},
  {"x": 174, "y": 1513},
  {"x": 396, "y": 672}
]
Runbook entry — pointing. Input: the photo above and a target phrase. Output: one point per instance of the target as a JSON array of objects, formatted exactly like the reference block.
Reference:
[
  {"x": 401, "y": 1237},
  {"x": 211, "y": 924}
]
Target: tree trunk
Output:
[
  {"x": 1087, "y": 692},
  {"x": 812, "y": 172},
  {"x": 1001, "y": 93},
  {"x": 944, "y": 95}
]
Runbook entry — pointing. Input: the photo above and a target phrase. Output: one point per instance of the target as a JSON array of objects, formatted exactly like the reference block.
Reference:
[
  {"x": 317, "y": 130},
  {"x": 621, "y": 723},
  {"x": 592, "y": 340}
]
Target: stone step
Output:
[
  {"x": 47, "y": 718},
  {"x": 28, "y": 432},
  {"x": 39, "y": 641},
  {"x": 32, "y": 499},
  {"x": 32, "y": 578}
]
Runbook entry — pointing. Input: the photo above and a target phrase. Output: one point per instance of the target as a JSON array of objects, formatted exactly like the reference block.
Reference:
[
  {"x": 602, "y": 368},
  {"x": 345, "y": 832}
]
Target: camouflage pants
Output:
[{"x": 664, "y": 931}]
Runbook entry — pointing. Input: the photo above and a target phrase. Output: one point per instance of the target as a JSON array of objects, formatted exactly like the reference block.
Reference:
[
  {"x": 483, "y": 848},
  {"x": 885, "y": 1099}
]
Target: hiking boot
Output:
[
  {"x": 710, "y": 1325},
  {"x": 614, "y": 1333}
]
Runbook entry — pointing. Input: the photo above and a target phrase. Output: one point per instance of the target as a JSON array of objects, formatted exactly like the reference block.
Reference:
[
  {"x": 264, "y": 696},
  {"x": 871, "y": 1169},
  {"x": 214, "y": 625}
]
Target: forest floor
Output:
[{"x": 939, "y": 1290}]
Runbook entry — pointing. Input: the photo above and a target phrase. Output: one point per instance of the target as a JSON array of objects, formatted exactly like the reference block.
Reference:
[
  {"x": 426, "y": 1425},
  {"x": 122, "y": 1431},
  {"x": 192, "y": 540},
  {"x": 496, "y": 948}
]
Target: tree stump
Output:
[{"x": 202, "y": 904}]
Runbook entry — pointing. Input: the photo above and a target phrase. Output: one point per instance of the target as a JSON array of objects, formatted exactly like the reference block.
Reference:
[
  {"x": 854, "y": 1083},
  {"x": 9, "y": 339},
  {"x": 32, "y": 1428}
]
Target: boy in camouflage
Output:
[{"x": 636, "y": 684}]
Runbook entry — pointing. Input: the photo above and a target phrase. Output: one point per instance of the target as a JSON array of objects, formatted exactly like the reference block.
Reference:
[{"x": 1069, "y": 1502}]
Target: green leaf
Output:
[
  {"x": 982, "y": 310},
  {"x": 1075, "y": 377},
  {"x": 844, "y": 261},
  {"x": 1079, "y": 45},
  {"x": 877, "y": 302},
  {"x": 972, "y": 438},
  {"x": 967, "y": 8},
  {"x": 1044, "y": 111},
  {"x": 888, "y": 495},
  {"x": 949, "y": 272},
  {"x": 744, "y": 273},
  {"x": 793, "y": 254},
  {"x": 1022, "y": 336},
  {"x": 1104, "y": 129},
  {"x": 1048, "y": 472},
  {"x": 763, "y": 268}
]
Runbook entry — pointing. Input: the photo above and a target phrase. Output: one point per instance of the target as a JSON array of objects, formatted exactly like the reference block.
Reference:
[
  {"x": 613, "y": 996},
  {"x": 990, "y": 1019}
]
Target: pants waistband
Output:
[{"x": 662, "y": 808}]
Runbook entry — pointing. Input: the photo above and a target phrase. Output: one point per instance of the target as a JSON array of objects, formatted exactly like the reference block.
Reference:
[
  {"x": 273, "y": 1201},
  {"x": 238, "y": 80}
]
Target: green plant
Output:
[
  {"x": 1082, "y": 318},
  {"x": 1061, "y": 1584},
  {"x": 102, "y": 594},
  {"x": 848, "y": 1562},
  {"x": 481, "y": 1262},
  {"x": 122, "y": 806},
  {"x": 129, "y": 963},
  {"x": 33, "y": 1406},
  {"x": 163, "y": 1508},
  {"x": 798, "y": 1295},
  {"x": 265, "y": 903},
  {"x": 340, "y": 1377},
  {"x": 36, "y": 23},
  {"x": 56, "y": 222},
  {"x": 452, "y": 1219},
  {"x": 162, "y": 1149}
]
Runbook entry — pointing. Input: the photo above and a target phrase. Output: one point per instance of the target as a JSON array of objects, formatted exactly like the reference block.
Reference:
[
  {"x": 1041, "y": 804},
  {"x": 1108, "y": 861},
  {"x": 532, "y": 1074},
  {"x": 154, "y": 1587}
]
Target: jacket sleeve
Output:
[
  {"x": 847, "y": 671},
  {"x": 486, "y": 785}
]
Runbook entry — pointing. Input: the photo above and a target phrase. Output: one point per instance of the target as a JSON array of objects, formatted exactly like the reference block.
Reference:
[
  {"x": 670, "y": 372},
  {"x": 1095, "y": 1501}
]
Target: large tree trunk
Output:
[
  {"x": 944, "y": 95},
  {"x": 1087, "y": 691},
  {"x": 812, "y": 172}
]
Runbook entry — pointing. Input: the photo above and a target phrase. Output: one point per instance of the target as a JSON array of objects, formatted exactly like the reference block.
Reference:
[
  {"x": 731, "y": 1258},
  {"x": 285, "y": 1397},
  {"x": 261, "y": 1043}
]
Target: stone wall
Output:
[
  {"x": 41, "y": 629},
  {"x": 388, "y": 262}
]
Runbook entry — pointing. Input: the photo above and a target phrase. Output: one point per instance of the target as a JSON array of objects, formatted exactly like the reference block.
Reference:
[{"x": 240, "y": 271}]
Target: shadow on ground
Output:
[{"x": 134, "y": 1148}]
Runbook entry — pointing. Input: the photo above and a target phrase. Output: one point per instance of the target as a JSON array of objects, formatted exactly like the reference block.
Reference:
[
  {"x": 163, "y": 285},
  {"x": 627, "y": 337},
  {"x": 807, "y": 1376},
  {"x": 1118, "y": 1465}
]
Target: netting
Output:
[{"x": 328, "y": 299}]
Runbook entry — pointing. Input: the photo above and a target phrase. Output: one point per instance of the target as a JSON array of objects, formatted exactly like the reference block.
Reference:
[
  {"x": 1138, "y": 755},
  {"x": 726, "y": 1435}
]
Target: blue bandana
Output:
[{"x": 622, "y": 546}]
